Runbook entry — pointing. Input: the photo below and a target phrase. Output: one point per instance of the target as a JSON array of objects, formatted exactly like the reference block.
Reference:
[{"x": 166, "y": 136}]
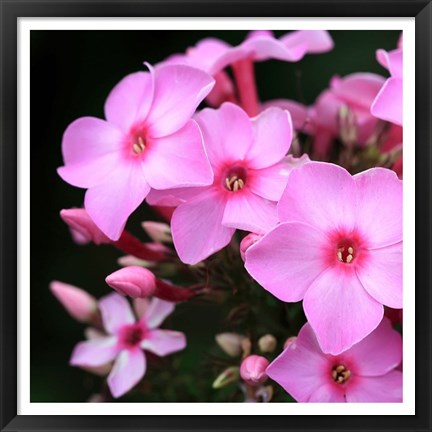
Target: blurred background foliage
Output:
[{"x": 72, "y": 72}]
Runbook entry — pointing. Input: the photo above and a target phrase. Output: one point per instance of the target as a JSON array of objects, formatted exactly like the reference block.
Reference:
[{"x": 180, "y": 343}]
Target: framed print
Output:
[{"x": 215, "y": 221}]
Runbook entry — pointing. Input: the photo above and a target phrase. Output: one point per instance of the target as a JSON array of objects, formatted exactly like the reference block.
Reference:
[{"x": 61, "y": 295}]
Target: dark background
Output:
[{"x": 72, "y": 72}]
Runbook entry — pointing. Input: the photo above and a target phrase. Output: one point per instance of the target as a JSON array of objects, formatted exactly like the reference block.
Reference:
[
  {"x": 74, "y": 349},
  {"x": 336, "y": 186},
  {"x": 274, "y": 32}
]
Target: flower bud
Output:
[
  {"x": 133, "y": 281},
  {"x": 246, "y": 345},
  {"x": 79, "y": 304},
  {"x": 264, "y": 394},
  {"x": 267, "y": 343},
  {"x": 253, "y": 369},
  {"x": 159, "y": 232},
  {"x": 347, "y": 126},
  {"x": 290, "y": 342},
  {"x": 247, "y": 242},
  {"x": 228, "y": 376},
  {"x": 230, "y": 343},
  {"x": 82, "y": 227},
  {"x": 130, "y": 260}
]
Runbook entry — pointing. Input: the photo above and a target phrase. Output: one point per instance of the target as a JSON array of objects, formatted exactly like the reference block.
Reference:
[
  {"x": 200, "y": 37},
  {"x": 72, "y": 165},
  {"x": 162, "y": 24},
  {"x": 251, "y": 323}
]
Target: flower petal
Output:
[
  {"x": 269, "y": 182},
  {"x": 157, "y": 311},
  {"x": 178, "y": 91},
  {"x": 128, "y": 370},
  {"x": 287, "y": 260},
  {"x": 197, "y": 227},
  {"x": 299, "y": 112},
  {"x": 116, "y": 312},
  {"x": 164, "y": 342},
  {"x": 130, "y": 100},
  {"x": 246, "y": 211},
  {"x": 314, "y": 41},
  {"x": 265, "y": 47},
  {"x": 386, "y": 388},
  {"x": 378, "y": 353},
  {"x": 90, "y": 150},
  {"x": 339, "y": 310},
  {"x": 327, "y": 393},
  {"x": 358, "y": 90},
  {"x": 379, "y": 209},
  {"x": 320, "y": 194},
  {"x": 110, "y": 204},
  {"x": 173, "y": 197},
  {"x": 178, "y": 160},
  {"x": 272, "y": 137},
  {"x": 94, "y": 352},
  {"x": 227, "y": 133},
  {"x": 388, "y": 103},
  {"x": 300, "y": 367},
  {"x": 381, "y": 275}
]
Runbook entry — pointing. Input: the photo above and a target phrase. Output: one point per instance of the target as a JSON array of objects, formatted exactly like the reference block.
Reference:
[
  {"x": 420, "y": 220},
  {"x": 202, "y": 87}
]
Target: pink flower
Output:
[
  {"x": 249, "y": 177},
  {"x": 148, "y": 141},
  {"x": 338, "y": 248},
  {"x": 80, "y": 305},
  {"x": 253, "y": 369},
  {"x": 324, "y": 121},
  {"x": 212, "y": 55},
  {"x": 388, "y": 103},
  {"x": 125, "y": 341},
  {"x": 364, "y": 373}
]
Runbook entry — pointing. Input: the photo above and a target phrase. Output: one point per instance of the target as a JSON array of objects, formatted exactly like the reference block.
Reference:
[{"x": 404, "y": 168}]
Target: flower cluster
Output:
[{"x": 261, "y": 204}]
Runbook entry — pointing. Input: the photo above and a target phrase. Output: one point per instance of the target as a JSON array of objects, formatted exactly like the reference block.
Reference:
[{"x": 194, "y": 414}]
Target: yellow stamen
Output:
[
  {"x": 138, "y": 148},
  {"x": 234, "y": 183}
]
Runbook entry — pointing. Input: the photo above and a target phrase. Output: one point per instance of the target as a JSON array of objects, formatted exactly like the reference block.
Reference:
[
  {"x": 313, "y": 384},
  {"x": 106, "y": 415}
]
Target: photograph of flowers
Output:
[{"x": 216, "y": 216}]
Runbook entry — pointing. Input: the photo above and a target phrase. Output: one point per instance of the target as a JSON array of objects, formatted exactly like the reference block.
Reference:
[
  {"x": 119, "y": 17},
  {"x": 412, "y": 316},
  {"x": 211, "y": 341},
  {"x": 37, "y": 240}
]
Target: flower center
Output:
[
  {"x": 345, "y": 253},
  {"x": 235, "y": 179},
  {"x": 340, "y": 374},
  {"x": 132, "y": 335},
  {"x": 138, "y": 144}
]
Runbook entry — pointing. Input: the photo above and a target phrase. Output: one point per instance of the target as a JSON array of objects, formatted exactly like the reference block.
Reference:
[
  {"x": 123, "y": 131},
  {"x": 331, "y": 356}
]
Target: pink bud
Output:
[
  {"x": 158, "y": 231},
  {"x": 133, "y": 281},
  {"x": 247, "y": 242},
  {"x": 82, "y": 227},
  {"x": 253, "y": 369},
  {"x": 80, "y": 305}
]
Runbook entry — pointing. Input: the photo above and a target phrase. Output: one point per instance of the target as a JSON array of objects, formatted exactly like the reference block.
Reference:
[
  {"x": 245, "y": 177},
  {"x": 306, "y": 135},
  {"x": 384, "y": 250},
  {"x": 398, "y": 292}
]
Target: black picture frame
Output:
[{"x": 11, "y": 10}]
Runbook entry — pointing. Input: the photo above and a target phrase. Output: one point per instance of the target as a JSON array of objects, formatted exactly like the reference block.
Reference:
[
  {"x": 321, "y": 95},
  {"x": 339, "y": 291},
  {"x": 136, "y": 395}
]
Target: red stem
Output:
[
  {"x": 131, "y": 245},
  {"x": 246, "y": 85},
  {"x": 173, "y": 294}
]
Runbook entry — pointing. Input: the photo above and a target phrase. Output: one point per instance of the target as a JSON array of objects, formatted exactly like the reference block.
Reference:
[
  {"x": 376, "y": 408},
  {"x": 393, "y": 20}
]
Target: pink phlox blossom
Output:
[
  {"x": 213, "y": 55},
  {"x": 364, "y": 373},
  {"x": 148, "y": 140},
  {"x": 338, "y": 248},
  {"x": 126, "y": 339},
  {"x": 247, "y": 157}
]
